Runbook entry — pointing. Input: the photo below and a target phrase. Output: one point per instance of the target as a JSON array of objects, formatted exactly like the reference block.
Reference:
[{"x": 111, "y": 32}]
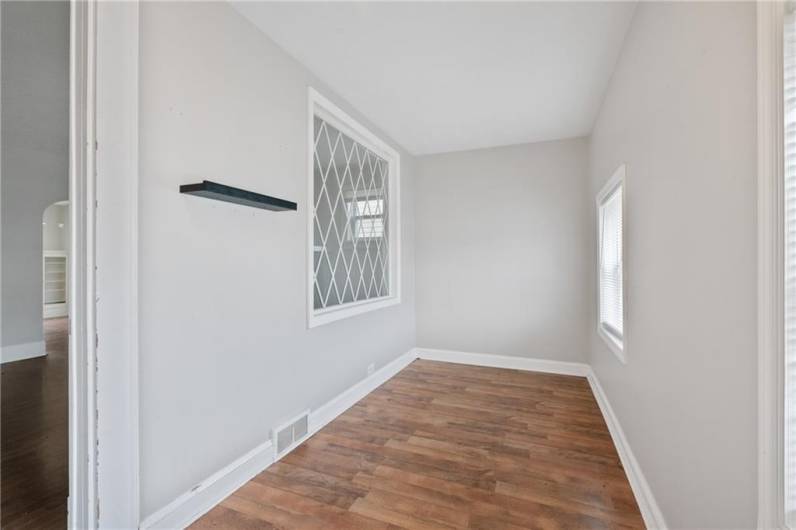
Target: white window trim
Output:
[
  {"x": 318, "y": 105},
  {"x": 617, "y": 347}
]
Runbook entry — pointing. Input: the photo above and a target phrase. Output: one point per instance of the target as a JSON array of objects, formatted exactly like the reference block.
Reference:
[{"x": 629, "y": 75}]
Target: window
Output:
[
  {"x": 610, "y": 235},
  {"x": 354, "y": 226},
  {"x": 368, "y": 217}
]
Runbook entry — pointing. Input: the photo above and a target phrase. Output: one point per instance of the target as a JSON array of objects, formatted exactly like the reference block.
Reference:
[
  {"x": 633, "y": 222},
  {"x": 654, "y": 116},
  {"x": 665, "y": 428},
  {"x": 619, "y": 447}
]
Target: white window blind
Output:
[
  {"x": 611, "y": 324},
  {"x": 789, "y": 91}
]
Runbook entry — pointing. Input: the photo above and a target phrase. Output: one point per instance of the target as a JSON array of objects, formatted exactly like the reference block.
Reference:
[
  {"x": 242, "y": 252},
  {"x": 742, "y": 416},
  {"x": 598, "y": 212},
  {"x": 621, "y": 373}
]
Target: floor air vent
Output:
[{"x": 293, "y": 432}]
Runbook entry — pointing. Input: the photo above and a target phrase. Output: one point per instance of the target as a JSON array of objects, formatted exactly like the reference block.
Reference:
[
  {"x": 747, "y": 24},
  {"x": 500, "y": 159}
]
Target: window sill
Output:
[
  {"x": 613, "y": 344},
  {"x": 333, "y": 314}
]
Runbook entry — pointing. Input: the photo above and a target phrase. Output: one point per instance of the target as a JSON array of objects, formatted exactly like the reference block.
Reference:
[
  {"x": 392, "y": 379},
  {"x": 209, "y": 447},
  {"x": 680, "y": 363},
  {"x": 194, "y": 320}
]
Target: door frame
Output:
[
  {"x": 82, "y": 503},
  {"x": 116, "y": 254},
  {"x": 770, "y": 264},
  {"x": 103, "y": 326}
]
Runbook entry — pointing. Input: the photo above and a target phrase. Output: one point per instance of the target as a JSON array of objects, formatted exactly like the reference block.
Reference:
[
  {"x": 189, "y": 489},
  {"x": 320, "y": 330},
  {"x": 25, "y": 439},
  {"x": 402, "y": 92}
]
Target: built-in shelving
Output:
[{"x": 54, "y": 272}]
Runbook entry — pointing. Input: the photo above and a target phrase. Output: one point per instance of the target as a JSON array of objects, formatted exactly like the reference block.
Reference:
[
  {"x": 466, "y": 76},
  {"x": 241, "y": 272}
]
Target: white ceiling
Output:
[{"x": 441, "y": 76}]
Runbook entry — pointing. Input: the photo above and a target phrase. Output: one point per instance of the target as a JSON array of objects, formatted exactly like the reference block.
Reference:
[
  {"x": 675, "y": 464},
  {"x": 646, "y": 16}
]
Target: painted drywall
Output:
[
  {"x": 680, "y": 112},
  {"x": 503, "y": 250},
  {"x": 225, "y": 353},
  {"x": 34, "y": 73}
]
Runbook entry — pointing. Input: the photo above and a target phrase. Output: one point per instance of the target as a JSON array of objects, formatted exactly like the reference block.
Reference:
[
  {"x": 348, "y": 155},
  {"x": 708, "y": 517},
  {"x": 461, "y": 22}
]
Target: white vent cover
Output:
[{"x": 291, "y": 433}]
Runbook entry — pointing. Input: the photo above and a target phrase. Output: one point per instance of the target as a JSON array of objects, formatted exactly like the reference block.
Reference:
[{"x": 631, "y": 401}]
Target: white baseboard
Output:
[
  {"x": 344, "y": 401},
  {"x": 55, "y": 310},
  {"x": 504, "y": 361},
  {"x": 653, "y": 517},
  {"x": 191, "y": 505},
  {"x": 19, "y": 352}
]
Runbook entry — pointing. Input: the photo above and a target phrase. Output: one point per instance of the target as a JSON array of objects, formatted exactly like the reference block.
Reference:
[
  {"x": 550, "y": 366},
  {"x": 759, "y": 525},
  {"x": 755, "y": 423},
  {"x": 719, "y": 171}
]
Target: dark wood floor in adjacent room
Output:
[
  {"x": 443, "y": 446},
  {"x": 34, "y": 436}
]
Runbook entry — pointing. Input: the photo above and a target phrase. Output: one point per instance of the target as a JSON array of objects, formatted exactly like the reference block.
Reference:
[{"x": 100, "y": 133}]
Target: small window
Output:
[
  {"x": 354, "y": 225},
  {"x": 368, "y": 219},
  {"x": 611, "y": 284}
]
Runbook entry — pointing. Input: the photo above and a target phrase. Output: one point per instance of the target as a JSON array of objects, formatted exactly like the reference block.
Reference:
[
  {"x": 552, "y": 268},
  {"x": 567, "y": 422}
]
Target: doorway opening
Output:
[
  {"x": 34, "y": 422},
  {"x": 35, "y": 397},
  {"x": 46, "y": 438}
]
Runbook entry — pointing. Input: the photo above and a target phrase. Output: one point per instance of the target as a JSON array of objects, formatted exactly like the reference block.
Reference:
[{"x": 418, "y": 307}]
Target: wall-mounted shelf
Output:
[{"x": 220, "y": 192}]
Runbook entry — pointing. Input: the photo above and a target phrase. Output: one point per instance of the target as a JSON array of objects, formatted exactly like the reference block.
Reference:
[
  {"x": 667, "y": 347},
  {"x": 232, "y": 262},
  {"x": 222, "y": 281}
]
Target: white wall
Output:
[
  {"x": 225, "y": 354},
  {"x": 35, "y": 159},
  {"x": 680, "y": 112},
  {"x": 503, "y": 250}
]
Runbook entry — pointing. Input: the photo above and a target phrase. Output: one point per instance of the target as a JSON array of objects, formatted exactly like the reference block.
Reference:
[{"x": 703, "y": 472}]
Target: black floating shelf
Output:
[{"x": 220, "y": 192}]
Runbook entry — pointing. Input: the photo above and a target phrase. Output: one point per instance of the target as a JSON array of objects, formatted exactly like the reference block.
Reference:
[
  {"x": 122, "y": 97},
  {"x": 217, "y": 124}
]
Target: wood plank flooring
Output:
[
  {"x": 443, "y": 446},
  {"x": 34, "y": 468}
]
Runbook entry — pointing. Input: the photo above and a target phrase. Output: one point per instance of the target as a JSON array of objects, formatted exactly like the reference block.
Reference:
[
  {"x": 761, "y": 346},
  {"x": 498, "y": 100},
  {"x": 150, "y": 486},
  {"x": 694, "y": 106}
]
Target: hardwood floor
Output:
[
  {"x": 34, "y": 436},
  {"x": 443, "y": 446}
]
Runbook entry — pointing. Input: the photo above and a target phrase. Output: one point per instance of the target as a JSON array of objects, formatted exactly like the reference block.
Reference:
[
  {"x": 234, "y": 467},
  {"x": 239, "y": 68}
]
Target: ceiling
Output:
[{"x": 441, "y": 76}]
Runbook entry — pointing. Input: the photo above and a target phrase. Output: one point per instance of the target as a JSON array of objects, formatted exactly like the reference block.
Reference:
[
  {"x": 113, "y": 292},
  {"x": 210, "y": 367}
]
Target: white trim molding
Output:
[
  {"x": 20, "y": 352},
  {"x": 770, "y": 284},
  {"x": 322, "y": 107},
  {"x": 615, "y": 343},
  {"x": 117, "y": 263},
  {"x": 201, "y": 498},
  {"x": 55, "y": 310},
  {"x": 653, "y": 517},
  {"x": 83, "y": 507},
  {"x": 504, "y": 361},
  {"x": 326, "y": 413}
]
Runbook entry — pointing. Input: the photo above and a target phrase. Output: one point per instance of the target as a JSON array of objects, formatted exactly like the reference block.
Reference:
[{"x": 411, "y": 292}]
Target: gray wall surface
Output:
[
  {"x": 225, "y": 354},
  {"x": 34, "y": 73},
  {"x": 503, "y": 248},
  {"x": 680, "y": 112}
]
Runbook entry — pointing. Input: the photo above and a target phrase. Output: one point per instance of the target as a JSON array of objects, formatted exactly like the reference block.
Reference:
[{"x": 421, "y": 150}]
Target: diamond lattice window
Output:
[{"x": 351, "y": 250}]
